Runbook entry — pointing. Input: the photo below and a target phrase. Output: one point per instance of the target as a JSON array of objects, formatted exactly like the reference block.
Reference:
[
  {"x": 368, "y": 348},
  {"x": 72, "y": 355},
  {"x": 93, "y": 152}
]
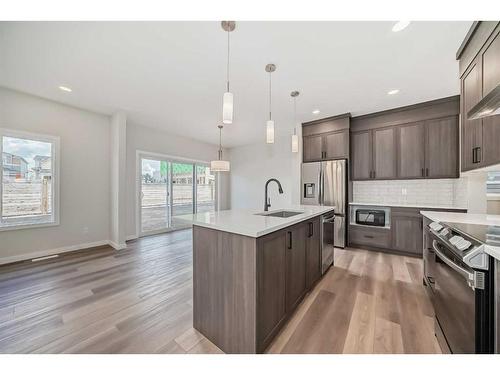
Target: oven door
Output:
[{"x": 454, "y": 300}]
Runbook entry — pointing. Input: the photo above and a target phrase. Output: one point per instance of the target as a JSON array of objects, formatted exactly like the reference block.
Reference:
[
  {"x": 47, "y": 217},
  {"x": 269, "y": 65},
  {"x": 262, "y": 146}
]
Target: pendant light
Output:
[
  {"x": 270, "y": 123},
  {"x": 219, "y": 165},
  {"x": 295, "y": 137},
  {"x": 227, "y": 99}
]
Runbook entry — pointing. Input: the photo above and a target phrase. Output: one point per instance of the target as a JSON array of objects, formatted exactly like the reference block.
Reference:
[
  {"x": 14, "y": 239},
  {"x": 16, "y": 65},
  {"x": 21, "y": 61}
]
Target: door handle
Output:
[
  {"x": 469, "y": 276},
  {"x": 289, "y": 240}
]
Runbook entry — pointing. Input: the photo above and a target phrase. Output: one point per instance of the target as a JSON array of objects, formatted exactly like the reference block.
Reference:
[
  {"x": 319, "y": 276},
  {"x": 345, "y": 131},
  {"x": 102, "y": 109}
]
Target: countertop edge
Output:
[{"x": 263, "y": 232}]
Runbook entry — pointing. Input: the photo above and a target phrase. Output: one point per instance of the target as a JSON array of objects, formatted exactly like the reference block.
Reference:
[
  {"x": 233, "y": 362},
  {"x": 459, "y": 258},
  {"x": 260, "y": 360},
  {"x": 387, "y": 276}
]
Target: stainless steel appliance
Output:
[
  {"x": 456, "y": 274},
  {"x": 327, "y": 240},
  {"x": 370, "y": 217},
  {"x": 325, "y": 183}
]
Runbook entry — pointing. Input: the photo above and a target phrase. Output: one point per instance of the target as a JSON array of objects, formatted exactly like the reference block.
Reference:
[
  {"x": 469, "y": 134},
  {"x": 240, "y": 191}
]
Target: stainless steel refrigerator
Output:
[{"x": 325, "y": 183}]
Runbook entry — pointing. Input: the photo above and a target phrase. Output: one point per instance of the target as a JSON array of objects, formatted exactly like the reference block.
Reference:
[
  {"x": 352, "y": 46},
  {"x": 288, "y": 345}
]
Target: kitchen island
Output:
[{"x": 250, "y": 272}]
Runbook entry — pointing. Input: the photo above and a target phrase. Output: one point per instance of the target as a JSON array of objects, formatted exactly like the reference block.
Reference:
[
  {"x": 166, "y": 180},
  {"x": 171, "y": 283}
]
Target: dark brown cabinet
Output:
[
  {"x": 313, "y": 253},
  {"x": 313, "y": 148},
  {"x": 361, "y": 155},
  {"x": 327, "y": 146},
  {"x": 441, "y": 146},
  {"x": 271, "y": 285},
  {"x": 288, "y": 265},
  {"x": 480, "y": 73},
  {"x": 296, "y": 238},
  {"x": 326, "y": 139},
  {"x": 407, "y": 231},
  {"x": 411, "y": 150}
]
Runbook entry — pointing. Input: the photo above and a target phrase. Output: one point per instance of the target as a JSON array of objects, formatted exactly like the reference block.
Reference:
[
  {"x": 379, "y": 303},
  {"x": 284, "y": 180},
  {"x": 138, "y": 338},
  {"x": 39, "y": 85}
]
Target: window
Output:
[
  {"x": 493, "y": 184},
  {"x": 29, "y": 188}
]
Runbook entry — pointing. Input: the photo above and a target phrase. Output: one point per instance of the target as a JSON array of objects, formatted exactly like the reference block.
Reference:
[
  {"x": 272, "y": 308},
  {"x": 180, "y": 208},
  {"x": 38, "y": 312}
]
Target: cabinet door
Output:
[
  {"x": 441, "y": 150},
  {"x": 472, "y": 130},
  {"x": 384, "y": 153},
  {"x": 491, "y": 65},
  {"x": 313, "y": 254},
  {"x": 407, "y": 234},
  {"x": 337, "y": 145},
  {"x": 361, "y": 155},
  {"x": 491, "y": 125},
  {"x": 296, "y": 264},
  {"x": 271, "y": 285},
  {"x": 411, "y": 150},
  {"x": 313, "y": 148}
]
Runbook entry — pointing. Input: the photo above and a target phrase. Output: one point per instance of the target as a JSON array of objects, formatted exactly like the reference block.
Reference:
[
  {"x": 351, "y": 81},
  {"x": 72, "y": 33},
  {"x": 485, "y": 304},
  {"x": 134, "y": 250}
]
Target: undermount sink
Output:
[{"x": 282, "y": 213}]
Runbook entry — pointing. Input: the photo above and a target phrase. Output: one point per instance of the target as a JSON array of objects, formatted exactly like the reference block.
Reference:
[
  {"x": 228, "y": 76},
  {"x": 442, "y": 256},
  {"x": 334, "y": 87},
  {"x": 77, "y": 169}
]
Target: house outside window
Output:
[{"x": 29, "y": 190}]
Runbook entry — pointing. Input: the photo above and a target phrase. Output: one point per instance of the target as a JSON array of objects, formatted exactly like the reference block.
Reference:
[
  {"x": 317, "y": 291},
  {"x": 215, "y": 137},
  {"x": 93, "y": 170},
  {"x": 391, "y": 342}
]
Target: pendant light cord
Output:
[
  {"x": 294, "y": 115},
  {"x": 270, "y": 102},
  {"x": 227, "y": 69},
  {"x": 220, "y": 142}
]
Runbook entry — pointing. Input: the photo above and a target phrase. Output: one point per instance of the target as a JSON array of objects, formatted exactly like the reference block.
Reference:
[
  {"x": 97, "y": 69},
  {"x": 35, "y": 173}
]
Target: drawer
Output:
[{"x": 370, "y": 236}]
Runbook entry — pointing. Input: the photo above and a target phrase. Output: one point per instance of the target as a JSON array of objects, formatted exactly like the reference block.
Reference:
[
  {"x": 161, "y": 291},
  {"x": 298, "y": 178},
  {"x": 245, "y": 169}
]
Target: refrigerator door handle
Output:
[{"x": 320, "y": 185}]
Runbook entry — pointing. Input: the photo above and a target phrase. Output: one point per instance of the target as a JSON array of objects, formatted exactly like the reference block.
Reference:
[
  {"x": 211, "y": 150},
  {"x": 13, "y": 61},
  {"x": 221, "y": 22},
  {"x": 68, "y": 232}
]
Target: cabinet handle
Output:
[
  {"x": 479, "y": 155},
  {"x": 310, "y": 229},
  {"x": 374, "y": 174},
  {"x": 474, "y": 155},
  {"x": 367, "y": 236},
  {"x": 422, "y": 172},
  {"x": 426, "y": 172},
  {"x": 289, "y": 240}
]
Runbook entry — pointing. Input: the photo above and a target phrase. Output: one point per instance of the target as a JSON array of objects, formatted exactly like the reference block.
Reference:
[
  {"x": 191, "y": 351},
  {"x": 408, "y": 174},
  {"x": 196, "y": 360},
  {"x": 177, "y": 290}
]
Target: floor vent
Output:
[{"x": 44, "y": 258}]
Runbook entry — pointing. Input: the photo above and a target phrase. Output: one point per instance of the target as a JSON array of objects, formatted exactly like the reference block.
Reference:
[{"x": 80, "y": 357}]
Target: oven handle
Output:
[{"x": 469, "y": 276}]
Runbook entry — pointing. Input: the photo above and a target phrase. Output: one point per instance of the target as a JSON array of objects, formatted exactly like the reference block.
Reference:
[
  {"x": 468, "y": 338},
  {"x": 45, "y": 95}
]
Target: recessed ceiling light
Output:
[
  {"x": 64, "y": 88},
  {"x": 316, "y": 111},
  {"x": 392, "y": 92},
  {"x": 400, "y": 25}
]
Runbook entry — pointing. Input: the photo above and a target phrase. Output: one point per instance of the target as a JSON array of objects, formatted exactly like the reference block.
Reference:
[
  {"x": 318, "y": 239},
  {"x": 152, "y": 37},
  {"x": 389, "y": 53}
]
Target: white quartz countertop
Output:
[
  {"x": 247, "y": 223},
  {"x": 461, "y": 218},
  {"x": 433, "y": 206}
]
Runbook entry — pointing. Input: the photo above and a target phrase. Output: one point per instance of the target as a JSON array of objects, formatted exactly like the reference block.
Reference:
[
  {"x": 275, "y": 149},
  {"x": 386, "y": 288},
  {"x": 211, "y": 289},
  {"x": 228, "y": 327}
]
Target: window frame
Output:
[{"x": 55, "y": 189}]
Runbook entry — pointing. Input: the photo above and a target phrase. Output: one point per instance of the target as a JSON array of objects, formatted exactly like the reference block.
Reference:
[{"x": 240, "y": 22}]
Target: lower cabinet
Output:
[
  {"x": 407, "y": 232},
  {"x": 313, "y": 253},
  {"x": 288, "y": 265},
  {"x": 295, "y": 264}
]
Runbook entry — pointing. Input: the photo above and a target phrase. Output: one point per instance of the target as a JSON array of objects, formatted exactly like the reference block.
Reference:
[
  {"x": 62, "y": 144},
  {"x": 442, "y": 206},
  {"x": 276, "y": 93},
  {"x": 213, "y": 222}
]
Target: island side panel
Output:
[{"x": 224, "y": 289}]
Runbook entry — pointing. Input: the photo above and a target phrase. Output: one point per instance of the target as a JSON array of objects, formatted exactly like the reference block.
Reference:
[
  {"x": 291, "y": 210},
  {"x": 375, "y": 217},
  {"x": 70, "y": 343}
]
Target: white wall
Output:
[
  {"x": 151, "y": 140},
  {"x": 84, "y": 173},
  {"x": 252, "y": 165}
]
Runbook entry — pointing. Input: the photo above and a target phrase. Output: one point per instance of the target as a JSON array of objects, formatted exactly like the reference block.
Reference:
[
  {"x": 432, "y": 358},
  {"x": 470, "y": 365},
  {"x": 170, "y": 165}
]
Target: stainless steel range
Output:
[{"x": 456, "y": 273}]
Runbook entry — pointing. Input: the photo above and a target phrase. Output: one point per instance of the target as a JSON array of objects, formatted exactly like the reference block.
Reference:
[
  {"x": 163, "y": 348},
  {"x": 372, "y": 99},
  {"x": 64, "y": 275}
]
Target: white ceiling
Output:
[{"x": 171, "y": 75}]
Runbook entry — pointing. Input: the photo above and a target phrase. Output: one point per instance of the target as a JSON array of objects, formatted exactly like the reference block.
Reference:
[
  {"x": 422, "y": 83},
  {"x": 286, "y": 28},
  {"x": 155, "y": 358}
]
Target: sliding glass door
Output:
[
  {"x": 169, "y": 188},
  {"x": 155, "y": 205}
]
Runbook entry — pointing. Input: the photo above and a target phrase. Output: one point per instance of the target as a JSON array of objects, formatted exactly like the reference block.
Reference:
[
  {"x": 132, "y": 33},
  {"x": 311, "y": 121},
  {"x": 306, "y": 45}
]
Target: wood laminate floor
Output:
[{"x": 139, "y": 300}]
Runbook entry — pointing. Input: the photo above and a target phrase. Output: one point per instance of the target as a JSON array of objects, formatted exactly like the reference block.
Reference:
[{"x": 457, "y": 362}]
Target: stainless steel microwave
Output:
[{"x": 370, "y": 217}]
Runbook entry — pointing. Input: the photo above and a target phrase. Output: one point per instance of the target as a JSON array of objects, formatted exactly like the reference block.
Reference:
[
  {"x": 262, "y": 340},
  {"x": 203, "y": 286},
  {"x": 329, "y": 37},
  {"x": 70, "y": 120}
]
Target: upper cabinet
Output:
[
  {"x": 419, "y": 141},
  {"x": 479, "y": 62},
  {"x": 326, "y": 139}
]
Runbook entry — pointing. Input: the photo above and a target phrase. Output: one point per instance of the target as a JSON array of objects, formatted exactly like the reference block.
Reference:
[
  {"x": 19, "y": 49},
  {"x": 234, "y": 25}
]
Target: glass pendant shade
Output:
[
  {"x": 227, "y": 108},
  {"x": 270, "y": 131},
  {"x": 219, "y": 166},
  {"x": 295, "y": 143}
]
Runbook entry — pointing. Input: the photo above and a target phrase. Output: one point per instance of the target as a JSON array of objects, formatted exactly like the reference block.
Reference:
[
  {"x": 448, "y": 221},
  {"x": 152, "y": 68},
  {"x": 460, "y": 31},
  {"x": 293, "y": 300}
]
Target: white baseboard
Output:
[
  {"x": 117, "y": 246},
  {"x": 60, "y": 250}
]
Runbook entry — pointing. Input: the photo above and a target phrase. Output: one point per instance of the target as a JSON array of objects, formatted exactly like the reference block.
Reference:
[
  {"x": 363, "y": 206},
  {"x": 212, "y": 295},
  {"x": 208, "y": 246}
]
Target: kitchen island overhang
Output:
[{"x": 249, "y": 274}]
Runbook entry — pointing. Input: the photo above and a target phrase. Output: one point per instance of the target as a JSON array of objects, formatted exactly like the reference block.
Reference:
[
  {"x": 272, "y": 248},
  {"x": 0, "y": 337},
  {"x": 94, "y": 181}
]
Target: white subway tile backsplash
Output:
[{"x": 445, "y": 192}]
